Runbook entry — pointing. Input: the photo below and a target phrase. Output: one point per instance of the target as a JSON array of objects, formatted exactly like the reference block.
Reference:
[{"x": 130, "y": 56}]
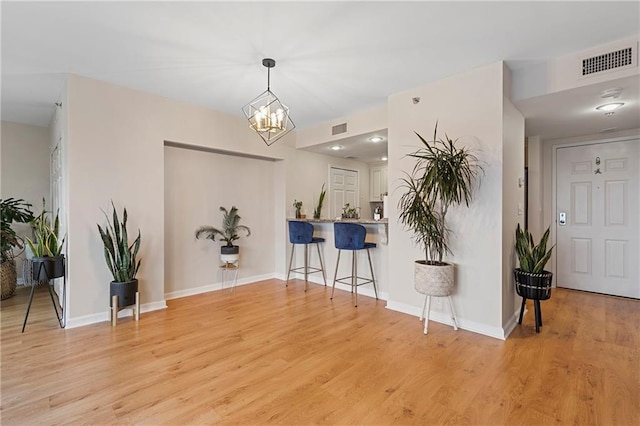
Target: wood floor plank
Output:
[{"x": 269, "y": 354}]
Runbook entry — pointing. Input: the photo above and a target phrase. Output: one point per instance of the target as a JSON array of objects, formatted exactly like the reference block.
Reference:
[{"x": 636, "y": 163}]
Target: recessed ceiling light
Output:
[
  {"x": 610, "y": 107},
  {"x": 611, "y": 93},
  {"x": 384, "y": 158},
  {"x": 336, "y": 147},
  {"x": 375, "y": 139}
]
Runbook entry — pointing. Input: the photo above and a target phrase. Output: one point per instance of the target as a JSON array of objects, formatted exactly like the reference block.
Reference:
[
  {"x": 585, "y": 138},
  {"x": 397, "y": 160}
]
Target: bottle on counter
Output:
[{"x": 377, "y": 213}]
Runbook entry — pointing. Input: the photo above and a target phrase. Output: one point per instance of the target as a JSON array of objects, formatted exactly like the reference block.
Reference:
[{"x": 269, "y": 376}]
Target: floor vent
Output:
[
  {"x": 339, "y": 129},
  {"x": 608, "y": 61}
]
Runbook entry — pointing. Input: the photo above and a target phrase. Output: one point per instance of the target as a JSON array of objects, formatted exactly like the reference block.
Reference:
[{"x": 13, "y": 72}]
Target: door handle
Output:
[{"x": 562, "y": 218}]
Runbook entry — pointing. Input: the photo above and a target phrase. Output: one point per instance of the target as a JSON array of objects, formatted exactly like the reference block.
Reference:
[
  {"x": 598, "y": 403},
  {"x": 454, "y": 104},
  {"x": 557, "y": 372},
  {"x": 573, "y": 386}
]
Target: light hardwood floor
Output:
[{"x": 269, "y": 354}]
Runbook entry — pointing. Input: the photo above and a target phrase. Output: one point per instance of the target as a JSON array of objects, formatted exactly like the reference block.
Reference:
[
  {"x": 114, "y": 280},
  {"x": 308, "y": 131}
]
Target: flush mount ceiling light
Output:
[
  {"x": 266, "y": 114},
  {"x": 376, "y": 139},
  {"x": 610, "y": 107}
]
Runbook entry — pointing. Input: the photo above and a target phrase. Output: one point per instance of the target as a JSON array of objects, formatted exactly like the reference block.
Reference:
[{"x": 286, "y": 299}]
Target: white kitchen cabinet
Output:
[{"x": 377, "y": 181}]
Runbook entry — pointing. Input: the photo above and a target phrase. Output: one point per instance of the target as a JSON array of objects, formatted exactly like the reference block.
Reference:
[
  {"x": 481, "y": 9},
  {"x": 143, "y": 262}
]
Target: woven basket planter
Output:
[
  {"x": 434, "y": 280},
  {"x": 8, "y": 278},
  {"x": 533, "y": 286}
]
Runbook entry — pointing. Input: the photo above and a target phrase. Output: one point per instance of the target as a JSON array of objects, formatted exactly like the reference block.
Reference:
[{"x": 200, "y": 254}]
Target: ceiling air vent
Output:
[
  {"x": 608, "y": 61},
  {"x": 339, "y": 129}
]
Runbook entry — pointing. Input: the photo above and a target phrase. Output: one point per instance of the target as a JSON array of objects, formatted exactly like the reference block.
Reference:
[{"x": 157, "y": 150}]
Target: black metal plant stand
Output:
[{"x": 59, "y": 316}]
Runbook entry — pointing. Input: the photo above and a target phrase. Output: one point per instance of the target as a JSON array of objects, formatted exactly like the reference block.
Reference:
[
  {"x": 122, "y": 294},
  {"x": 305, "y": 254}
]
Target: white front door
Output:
[
  {"x": 598, "y": 218},
  {"x": 343, "y": 189}
]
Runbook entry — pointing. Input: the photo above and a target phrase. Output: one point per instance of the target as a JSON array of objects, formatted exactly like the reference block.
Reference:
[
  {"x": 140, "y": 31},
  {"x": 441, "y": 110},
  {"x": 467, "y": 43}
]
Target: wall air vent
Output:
[
  {"x": 339, "y": 129},
  {"x": 609, "y": 61}
]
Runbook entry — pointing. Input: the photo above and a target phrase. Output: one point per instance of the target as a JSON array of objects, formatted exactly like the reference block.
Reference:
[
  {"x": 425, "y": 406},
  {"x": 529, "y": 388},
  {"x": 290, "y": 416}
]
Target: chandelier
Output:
[{"x": 266, "y": 114}]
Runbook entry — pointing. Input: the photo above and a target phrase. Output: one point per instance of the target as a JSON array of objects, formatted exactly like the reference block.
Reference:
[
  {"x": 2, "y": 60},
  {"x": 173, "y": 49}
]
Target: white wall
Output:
[
  {"x": 512, "y": 207},
  {"x": 116, "y": 151},
  {"x": 25, "y": 169},
  {"x": 362, "y": 122},
  {"x": 25, "y": 163},
  {"x": 565, "y": 72},
  {"x": 196, "y": 185},
  {"x": 536, "y": 172},
  {"x": 470, "y": 107}
]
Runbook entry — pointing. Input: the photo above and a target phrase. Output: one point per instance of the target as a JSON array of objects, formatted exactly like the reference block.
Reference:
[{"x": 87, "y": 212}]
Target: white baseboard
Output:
[
  {"x": 443, "y": 317},
  {"x": 215, "y": 287},
  {"x": 104, "y": 316},
  {"x": 511, "y": 324}
]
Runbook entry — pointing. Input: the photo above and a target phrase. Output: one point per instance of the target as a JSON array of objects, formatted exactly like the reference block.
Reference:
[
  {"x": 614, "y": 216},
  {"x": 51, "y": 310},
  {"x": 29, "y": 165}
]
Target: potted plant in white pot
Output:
[
  {"x": 445, "y": 175},
  {"x": 121, "y": 258},
  {"x": 11, "y": 210},
  {"x": 531, "y": 280},
  {"x": 229, "y": 253}
]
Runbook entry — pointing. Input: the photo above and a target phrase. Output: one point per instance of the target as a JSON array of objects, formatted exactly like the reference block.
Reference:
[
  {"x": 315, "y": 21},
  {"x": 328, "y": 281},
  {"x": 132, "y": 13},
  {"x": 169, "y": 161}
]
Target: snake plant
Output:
[
  {"x": 118, "y": 253},
  {"x": 532, "y": 257},
  {"x": 46, "y": 235}
]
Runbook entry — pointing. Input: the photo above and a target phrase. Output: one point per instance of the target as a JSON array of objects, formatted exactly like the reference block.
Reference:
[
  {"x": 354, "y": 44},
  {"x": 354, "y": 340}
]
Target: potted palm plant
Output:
[
  {"x": 121, "y": 258},
  {"x": 11, "y": 210},
  {"x": 531, "y": 280},
  {"x": 229, "y": 253},
  {"x": 46, "y": 246},
  {"x": 443, "y": 176}
]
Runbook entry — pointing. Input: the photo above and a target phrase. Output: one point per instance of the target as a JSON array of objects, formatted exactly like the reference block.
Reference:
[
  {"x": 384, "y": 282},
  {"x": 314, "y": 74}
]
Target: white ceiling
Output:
[{"x": 333, "y": 58}]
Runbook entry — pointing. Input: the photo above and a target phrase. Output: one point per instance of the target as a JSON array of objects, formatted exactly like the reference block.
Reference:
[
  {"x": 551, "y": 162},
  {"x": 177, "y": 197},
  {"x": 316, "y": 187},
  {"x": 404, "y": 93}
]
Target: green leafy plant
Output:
[
  {"x": 318, "y": 209},
  {"x": 532, "y": 257},
  {"x": 230, "y": 228},
  {"x": 443, "y": 176},
  {"x": 12, "y": 210},
  {"x": 118, "y": 253},
  {"x": 349, "y": 212},
  {"x": 46, "y": 241},
  {"x": 298, "y": 206}
]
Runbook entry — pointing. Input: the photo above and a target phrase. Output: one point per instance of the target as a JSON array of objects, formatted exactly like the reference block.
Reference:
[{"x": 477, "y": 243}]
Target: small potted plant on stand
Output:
[
  {"x": 531, "y": 280},
  {"x": 11, "y": 210},
  {"x": 443, "y": 176},
  {"x": 121, "y": 258},
  {"x": 48, "y": 261},
  {"x": 229, "y": 253}
]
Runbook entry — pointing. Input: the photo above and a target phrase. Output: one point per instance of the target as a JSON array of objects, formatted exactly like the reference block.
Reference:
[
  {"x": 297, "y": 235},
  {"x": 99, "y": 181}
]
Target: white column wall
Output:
[
  {"x": 470, "y": 107},
  {"x": 512, "y": 208}
]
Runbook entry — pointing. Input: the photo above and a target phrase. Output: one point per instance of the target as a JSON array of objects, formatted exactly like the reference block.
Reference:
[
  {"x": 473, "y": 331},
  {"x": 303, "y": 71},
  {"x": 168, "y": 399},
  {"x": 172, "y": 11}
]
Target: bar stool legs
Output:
[
  {"x": 306, "y": 268},
  {"x": 354, "y": 276}
]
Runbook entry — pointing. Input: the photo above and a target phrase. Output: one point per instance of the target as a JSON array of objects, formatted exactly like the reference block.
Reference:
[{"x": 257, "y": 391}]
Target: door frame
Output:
[{"x": 554, "y": 174}]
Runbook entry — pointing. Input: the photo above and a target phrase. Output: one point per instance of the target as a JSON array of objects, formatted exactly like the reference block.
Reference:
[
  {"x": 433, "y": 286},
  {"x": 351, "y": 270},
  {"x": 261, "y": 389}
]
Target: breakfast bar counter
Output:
[{"x": 377, "y": 232}]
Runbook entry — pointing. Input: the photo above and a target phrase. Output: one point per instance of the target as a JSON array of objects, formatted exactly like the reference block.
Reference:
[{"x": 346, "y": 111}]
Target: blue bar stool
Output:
[
  {"x": 350, "y": 236},
  {"x": 302, "y": 233}
]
